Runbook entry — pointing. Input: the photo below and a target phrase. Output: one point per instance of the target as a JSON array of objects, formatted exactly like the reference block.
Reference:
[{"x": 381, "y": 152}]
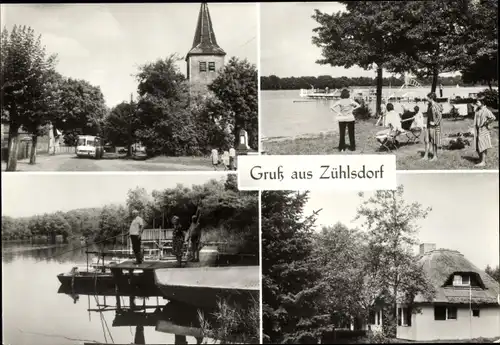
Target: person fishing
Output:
[
  {"x": 193, "y": 237},
  {"x": 178, "y": 240},
  {"x": 135, "y": 233}
]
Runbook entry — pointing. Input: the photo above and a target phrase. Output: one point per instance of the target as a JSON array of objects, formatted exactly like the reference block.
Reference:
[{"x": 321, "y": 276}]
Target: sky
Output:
[
  {"x": 464, "y": 214},
  {"x": 286, "y": 41},
  {"x": 105, "y": 43},
  {"x": 26, "y": 194}
]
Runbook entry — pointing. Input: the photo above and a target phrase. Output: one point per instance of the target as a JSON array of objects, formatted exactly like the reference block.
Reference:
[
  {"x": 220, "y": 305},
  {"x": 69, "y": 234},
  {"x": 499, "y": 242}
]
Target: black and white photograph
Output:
[
  {"x": 415, "y": 79},
  {"x": 390, "y": 266},
  {"x": 128, "y": 87},
  {"x": 129, "y": 259}
]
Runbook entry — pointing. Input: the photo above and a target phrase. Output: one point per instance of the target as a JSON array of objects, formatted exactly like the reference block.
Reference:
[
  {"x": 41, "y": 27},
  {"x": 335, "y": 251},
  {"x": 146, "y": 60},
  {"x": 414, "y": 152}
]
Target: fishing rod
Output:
[{"x": 81, "y": 247}]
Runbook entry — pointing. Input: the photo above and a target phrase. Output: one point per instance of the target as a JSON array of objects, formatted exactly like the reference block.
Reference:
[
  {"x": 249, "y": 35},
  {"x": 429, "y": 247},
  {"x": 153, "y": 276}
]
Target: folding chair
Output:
[
  {"x": 388, "y": 140},
  {"x": 413, "y": 135}
]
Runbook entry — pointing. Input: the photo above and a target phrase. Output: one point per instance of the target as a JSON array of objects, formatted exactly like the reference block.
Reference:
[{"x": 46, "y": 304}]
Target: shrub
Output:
[
  {"x": 233, "y": 324},
  {"x": 363, "y": 112}
]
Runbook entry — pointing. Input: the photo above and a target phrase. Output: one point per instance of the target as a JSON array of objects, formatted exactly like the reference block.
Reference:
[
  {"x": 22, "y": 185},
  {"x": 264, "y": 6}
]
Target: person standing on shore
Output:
[
  {"x": 482, "y": 139},
  {"x": 135, "y": 233},
  {"x": 433, "y": 131},
  {"x": 345, "y": 117},
  {"x": 441, "y": 90}
]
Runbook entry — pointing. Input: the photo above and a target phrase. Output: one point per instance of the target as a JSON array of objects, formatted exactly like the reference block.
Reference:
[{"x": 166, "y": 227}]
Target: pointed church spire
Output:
[{"x": 204, "y": 42}]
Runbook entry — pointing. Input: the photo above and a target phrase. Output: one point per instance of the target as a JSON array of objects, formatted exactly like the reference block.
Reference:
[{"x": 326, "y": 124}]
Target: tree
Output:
[
  {"x": 38, "y": 124},
  {"x": 291, "y": 286},
  {"x": 339, "y": 251},
  {"x": 494, "y": 273},
  {"x": 236, "y": 89},
  {"x": 166, "y": 125},
  {"x": 436, "y": 41},
  {"x": 23, "y": 70},
  {"x": 366, "y": 35},
  {"x": 80, "y": 110},
  {"x": 112, "y": 223},
  {"x": 391, "y": 267},
  {"x": 481, "y": 64},
  {"x": 121, "y": 124},
  {"x": 139, "y": 199}
]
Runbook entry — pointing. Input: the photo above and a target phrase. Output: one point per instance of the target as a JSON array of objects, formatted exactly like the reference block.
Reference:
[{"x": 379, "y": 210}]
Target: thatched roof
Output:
[{"x": 440, "y": 266}]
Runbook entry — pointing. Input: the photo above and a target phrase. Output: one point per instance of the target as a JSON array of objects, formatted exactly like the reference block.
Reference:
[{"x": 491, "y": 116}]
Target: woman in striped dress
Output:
[
  {"x": 482, "y": 139},
  {"x": 433, "y": 131}
]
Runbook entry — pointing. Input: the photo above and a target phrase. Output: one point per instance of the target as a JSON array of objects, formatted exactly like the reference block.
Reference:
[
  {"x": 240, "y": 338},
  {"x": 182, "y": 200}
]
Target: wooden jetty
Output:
[{"x": 205, "y": 286}]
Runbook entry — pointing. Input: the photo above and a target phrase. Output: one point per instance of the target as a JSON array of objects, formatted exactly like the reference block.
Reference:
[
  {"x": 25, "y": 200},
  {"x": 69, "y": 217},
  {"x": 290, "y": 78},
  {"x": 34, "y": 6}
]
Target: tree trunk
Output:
[
  {"x": 379, "y": 90},
  {"x": 34, "y": 141},
  {"x": 489, "y": 85},
  {"x": 13, "y": 147},
  {"x": 435, "y": 76}
]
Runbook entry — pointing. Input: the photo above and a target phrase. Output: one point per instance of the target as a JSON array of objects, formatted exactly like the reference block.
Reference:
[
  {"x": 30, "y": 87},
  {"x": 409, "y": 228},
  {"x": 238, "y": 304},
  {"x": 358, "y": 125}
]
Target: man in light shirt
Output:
[{"x": 135, "y": 233}]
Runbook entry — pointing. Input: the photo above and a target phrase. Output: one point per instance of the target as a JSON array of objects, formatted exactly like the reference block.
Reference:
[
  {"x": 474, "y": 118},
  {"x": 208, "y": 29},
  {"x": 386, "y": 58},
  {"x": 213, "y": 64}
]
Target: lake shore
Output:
[{"x": 408, "y": 155}]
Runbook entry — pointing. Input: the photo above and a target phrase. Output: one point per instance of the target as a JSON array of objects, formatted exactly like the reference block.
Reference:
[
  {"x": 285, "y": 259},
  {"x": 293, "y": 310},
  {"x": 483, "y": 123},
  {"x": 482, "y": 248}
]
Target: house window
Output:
[
  {"x": 459, "y": 280},
  {"x": 379, "y": 317},
  {"x": 203, "y": 66},
  {"x": 475, "y": 312},
  {"x": 404, "y": 317},
  {"x": 211, "y": 66},
  {"x": 452, "y": 313},
  {"x": 445, "y": 313},
  {"x": 372, "y": 317}
]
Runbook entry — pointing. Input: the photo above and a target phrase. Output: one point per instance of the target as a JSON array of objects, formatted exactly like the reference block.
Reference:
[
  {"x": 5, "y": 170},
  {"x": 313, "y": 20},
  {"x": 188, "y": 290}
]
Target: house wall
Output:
[
  {"x": 200, "y": 80},
  {"x": 425, "y": 328}
]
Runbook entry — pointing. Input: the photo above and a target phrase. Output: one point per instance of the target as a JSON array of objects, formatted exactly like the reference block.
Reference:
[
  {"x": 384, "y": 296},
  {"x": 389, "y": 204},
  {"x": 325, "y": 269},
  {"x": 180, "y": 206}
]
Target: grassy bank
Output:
[
  {"x": 408, "y": 155},
  {"x": 232, "y": 324}
]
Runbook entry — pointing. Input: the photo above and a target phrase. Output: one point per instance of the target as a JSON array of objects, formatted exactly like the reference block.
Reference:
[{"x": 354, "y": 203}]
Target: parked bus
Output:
[{"x": 89, "y": 146}]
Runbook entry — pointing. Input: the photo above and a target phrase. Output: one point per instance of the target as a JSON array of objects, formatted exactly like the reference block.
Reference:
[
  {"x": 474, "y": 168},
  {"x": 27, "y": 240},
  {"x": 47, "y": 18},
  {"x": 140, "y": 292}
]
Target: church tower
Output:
[{"x": 205, "y": 58}]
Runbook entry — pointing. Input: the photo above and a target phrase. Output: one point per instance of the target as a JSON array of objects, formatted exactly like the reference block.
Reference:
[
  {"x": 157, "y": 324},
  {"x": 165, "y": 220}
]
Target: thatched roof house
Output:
[
  {"x": 466, "y": 304},
  {"x": 445, "y": 267}
]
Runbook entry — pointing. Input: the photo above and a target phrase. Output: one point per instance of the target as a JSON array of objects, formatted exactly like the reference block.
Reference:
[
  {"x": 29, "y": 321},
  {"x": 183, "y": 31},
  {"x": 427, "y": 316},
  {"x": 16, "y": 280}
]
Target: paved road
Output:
[{"x": 69, "y": 162}]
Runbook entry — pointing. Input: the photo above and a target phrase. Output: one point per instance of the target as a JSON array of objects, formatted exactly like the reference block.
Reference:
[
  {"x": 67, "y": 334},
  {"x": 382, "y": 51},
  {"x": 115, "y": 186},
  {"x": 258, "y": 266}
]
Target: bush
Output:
[
  {"x": 362, "y": 113},
  {"x": 490, "y": 97},
  {"x": 233, "y": 325}
]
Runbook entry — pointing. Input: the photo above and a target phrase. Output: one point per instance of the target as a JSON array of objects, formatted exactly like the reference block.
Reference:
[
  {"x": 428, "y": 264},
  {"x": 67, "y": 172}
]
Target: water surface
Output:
[{"x": 35, "y": 313}]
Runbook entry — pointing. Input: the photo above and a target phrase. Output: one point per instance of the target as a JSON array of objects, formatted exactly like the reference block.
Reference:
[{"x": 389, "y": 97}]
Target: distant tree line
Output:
[
  {"x": 166, "y": 118},
  {"x": 326, "y": 81},
  {"x": 226, "y": 215}
]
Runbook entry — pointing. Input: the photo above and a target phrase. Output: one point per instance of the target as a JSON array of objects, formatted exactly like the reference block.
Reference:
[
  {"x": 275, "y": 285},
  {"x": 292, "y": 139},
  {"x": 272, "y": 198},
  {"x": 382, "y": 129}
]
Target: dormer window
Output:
[{"x": 461, "y": 280}]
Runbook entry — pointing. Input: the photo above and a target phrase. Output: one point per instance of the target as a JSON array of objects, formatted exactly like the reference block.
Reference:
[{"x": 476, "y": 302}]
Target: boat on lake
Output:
[{"x": 205, "y": 286}]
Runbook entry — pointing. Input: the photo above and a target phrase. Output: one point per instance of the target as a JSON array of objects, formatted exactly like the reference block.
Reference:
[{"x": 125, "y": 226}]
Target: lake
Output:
[
  {"x": 286, "y": 114},
  {"x": 35, "y": 313}
]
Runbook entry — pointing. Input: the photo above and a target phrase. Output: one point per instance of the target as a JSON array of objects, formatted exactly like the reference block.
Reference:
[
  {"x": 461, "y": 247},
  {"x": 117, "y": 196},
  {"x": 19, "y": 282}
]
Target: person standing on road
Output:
[{"x": 135, "y": 233}]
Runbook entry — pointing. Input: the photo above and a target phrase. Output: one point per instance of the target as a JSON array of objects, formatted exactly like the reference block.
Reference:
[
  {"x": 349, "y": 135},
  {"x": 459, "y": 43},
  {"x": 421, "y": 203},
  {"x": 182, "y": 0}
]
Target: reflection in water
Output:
[
  {"x": 174, "y": 318},
  {"x": 31, "y": 283}
]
